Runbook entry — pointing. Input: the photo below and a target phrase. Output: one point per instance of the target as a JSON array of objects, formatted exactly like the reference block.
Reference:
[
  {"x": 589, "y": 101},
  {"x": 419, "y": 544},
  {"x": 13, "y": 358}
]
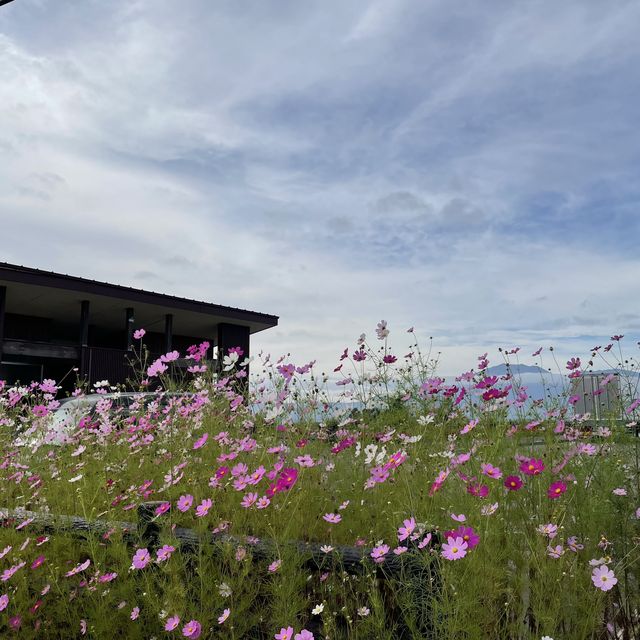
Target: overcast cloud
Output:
[{"x": 469, "y": 168}]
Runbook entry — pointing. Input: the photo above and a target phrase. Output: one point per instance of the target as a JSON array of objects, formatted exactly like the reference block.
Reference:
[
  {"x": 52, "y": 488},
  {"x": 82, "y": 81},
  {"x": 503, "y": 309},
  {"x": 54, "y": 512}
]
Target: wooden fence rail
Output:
[{"x": 412, "y": 572}]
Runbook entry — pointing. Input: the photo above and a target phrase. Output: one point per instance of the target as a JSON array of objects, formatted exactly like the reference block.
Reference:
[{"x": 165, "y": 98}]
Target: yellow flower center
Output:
[{"x": 455, "y": 549}]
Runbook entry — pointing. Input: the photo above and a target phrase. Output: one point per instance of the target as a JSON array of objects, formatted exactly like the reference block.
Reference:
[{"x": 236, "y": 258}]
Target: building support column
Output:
[
  {"x": 84, "y": 339},
  {"x": 3, "y": 306},
  {"x": 168, "y": 332},
  {"x": 129, "y": 327},
  {"x": 232, "y": 335}
]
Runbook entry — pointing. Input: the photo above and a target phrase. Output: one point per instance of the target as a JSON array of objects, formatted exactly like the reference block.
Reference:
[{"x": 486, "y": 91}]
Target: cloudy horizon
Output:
[{"x": 468, "y": 169}]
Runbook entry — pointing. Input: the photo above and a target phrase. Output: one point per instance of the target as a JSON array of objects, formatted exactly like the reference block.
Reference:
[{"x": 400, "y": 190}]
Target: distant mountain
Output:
[{"x": 515, "y": 369}]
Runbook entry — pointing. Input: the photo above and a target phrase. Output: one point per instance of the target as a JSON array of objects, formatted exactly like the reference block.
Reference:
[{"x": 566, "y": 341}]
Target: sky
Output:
[{"x": 466, "y": 168}]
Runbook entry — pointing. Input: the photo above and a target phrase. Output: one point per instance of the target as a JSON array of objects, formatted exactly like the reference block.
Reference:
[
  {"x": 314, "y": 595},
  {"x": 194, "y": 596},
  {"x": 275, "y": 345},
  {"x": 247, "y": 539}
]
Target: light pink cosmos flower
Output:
[
  {"x": 574, "y": 545},
  {"x": 333, "y": 518},
  {"x": 203, "y": 508},
  {"x": 141, "y": 558},
  {"x": 4, "y": 601},
  {"x": 138, "y": 334},
  {"x": 83, "y": 627},
  {"x": 164, "y": 553},
  {"x": 454, "y": 549},
  {"x": 135, "y": 612},
  {"x": 192, "y": 629},
  {"x": 184, "y": 503},
  {"x": 550, "y": 530},
  {"x": 81, "y": 567},
  {"x": 400, "y": 550},
  {"x": 459, "y": 518},
  {"x": 224, "y": 616},
  {"x": 285, "y": 634},
  {"x": 172, "y": 623},
  {"x": 406, "y": 529},
  {"x": 555, "y": 552},
  {"x": 304, "y": 635},
  {"x": 274, "y": 566},
  {"x": 603, "y": 578},
  {"x": 620, "y": 491}
]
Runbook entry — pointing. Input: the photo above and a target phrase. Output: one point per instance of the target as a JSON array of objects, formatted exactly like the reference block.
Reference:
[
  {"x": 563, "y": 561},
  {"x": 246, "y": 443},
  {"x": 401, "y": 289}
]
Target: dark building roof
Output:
[{"x": 60, "y": 295}]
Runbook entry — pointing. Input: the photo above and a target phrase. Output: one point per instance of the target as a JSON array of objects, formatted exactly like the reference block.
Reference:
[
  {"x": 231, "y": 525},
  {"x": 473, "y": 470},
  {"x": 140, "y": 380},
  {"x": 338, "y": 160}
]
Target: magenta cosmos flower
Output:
[
  {"x": 141, "y": 558},
  {"x": 454, "y": 549},
  {"x": 478, "y": 490},
  {"x": 513, "y": 483},
  {"x": 532, "y": 467},
  {"x": 603, "y": 578},
  {"x": 556, "y": 490},
  {"x": 192, "y": 629},
  {"x": 466, "y": 533}
]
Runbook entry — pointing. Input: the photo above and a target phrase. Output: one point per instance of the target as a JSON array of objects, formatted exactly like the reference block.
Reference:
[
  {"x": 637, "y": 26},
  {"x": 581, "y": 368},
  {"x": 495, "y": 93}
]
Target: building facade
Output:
[{"x": 52, "y": 324}]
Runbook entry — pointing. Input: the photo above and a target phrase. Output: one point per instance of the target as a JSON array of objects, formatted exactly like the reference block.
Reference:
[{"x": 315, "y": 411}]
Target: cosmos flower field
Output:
[{"x": 465, "y": 503}]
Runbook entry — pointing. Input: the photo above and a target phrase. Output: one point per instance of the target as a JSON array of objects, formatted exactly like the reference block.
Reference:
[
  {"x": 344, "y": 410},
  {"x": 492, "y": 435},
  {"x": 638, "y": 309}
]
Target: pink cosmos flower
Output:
[
  {"x": 135, "y": 612},
  {"x": 491, "y": 471},
  {"x": 192, "y": 629},
  {"x": 15, "y": 622},
  {"x": 162, "y": 508},
  {"x": 406, "y": 529},
  {"x": 333, "y": 518},
  {"x": 4, "y": 601},
  {"x": 555, "y": 552},
  {"x": 38, "y": 562},
  {"x": 556, "y": 490},
  {"x": 304, "y": 635},
  {"x": 83, "y": 627},
  {"x": 513, "y": 483},
  {"x": 172, "y": 623},
  {"x": 138, "y": 334},
  {"x": 249, "y": 500},
  {"x": 285, "y": 634},
  {"x": 378, "y": 553},
  {"x": 603, "y": 578},
  {"x": 454, "y": 549},
  {"x": 574, "y": 545},
  {"x": 203, "y": 508},
  {"x": 184, "y": 503},
  {"x": 81, "y": 567},
  {"x": 459, "y": 518},
  {"x": 550, "y": 530},
  {"x": 274, "y": 566},
  {"x": 425, "y": 541},
  {"x": 400, "y": 550},
  {"x": 201, "y": 441},
  {"x": 532, "y": 467},
  {"x": 263, "y": 502},
  {"x": 164, "y": 553},
  {"x": 620, "y": 491},
  {"x": 466, "y": 533},
  {"x": 141, "y": 559},
  {"x": 224, "y": 616}
]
